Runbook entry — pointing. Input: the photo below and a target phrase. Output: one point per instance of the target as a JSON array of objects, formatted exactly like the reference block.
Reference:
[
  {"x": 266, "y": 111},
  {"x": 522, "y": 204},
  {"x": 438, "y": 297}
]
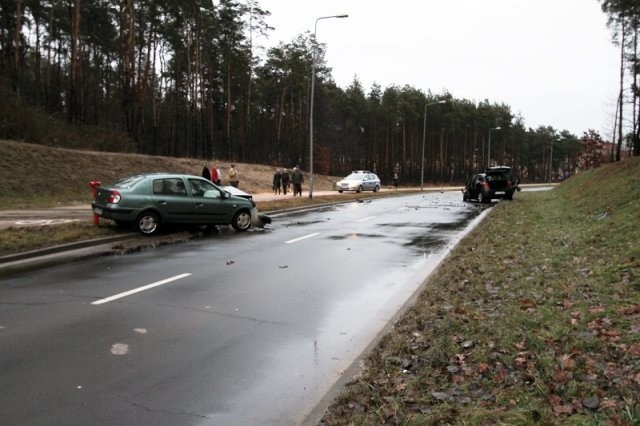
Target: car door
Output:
[
  {"x": 476, "y": 188},
  {"x": 367, "y": 182},
  {"x": 209, "y": 204},
  {"x": 172, "y": 200}
]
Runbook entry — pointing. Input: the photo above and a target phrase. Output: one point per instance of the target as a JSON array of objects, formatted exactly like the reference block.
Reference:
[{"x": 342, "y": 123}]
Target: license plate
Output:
[
  {"x": 499, "y": 192},
  {"x": 97, "y": 210}
]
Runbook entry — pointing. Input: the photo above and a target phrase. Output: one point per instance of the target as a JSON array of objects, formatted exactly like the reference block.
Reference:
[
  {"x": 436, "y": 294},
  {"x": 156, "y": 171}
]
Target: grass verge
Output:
[{"x": 534, "y": 318}]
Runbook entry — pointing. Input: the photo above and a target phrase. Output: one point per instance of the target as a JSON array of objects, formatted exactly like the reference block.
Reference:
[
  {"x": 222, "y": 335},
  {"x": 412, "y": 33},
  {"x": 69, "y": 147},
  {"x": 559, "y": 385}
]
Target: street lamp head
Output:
[{"x": 313, "y": 78}]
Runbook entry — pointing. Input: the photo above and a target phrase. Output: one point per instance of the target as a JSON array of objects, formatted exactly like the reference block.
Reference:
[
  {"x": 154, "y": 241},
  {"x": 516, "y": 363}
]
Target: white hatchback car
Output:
[{"x": 359, "y": 181}]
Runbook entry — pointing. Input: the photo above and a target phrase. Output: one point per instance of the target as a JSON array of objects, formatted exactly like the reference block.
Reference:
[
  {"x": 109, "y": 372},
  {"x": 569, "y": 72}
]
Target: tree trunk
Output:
[
  {"x": 72, "y": 112},
  {"x": 621, "y": 98},
  {"x": 16, "y": 47}
]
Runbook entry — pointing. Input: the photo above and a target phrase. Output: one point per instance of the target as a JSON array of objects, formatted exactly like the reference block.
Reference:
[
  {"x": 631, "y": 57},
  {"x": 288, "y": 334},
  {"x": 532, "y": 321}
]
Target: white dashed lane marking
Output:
[
  {"x": 139, "y": 289},
  {"x": 302, "y": 238}
]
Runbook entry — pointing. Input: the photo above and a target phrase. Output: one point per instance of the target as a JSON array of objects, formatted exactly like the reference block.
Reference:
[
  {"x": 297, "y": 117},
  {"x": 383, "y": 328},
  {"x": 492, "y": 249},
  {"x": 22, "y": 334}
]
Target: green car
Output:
[{"x": 152, "y": 200}]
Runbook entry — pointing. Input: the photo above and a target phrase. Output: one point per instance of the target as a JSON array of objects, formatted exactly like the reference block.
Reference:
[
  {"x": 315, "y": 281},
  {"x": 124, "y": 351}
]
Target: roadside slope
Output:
[
  {"x": 534, "y": 318},
  {"x": 39, "y": 176}
]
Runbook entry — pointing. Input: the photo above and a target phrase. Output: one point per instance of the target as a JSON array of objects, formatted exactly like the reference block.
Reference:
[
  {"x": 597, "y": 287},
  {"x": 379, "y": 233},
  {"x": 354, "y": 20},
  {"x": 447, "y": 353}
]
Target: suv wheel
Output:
[{"x": 481, "y": 197}]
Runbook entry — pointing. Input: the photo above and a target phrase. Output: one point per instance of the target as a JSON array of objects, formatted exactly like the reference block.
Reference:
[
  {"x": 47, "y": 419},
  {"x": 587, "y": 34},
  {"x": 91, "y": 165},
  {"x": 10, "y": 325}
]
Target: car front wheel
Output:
[
  {"x": 359, "y": 189},
  {"x": 241, "y": 221},
  {"x": 148, "y": 223}
]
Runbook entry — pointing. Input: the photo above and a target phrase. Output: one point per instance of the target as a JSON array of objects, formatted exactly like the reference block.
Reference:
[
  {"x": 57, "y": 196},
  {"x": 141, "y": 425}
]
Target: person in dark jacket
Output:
[
  {"x": 205, "y": 172},
  {"x": 277, "y": 182},
  {"x": 297, "y": 179},
  {"x": 284, "y": 177}
]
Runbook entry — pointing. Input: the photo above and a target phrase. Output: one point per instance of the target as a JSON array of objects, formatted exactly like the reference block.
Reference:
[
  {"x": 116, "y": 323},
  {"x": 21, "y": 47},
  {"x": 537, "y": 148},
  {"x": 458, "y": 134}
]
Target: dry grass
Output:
[{"x": 39, "y": 176}]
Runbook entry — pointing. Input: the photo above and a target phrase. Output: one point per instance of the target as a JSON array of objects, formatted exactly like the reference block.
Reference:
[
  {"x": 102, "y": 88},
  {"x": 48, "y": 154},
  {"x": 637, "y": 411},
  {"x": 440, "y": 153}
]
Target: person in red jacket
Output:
[{"x": 215, "y": 175}]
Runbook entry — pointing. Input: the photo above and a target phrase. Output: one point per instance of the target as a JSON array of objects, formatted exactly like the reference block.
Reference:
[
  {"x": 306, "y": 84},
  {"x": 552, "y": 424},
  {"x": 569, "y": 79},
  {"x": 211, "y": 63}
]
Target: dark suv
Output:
[{"x": 495, "y": 182}]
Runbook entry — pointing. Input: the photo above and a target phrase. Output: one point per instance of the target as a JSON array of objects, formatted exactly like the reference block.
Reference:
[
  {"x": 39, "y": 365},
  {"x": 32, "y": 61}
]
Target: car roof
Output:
[{"x": 498, "y": 169}]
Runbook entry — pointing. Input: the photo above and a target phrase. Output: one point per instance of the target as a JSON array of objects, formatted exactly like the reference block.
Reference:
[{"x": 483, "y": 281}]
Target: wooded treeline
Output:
[
  {"x": 624, "y": 21},
  {"x": 187, "y": 78}
]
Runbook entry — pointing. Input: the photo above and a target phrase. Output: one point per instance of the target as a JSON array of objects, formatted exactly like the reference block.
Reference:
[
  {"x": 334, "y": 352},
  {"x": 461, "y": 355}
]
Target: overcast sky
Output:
[{"x": 551, "y": 61}]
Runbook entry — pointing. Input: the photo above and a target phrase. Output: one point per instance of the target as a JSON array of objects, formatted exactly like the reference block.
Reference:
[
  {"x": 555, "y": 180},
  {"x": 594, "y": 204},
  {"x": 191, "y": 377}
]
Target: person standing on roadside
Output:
[
  {"x": 219, "y": 174},
  {"x": 284, "y": 177},
  {"x": 215, "y": 177},
  {"x": 297, "y": 179},
  {"x": 277, "y": 182},
  {"x": 233, "y": 176},
  {"x": 205, "y": 172}
]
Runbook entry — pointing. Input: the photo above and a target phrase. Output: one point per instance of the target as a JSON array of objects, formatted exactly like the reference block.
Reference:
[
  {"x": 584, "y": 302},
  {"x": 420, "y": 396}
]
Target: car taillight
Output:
[
  {"x": 114, "y": 198},
  {"x": 485, "y": 185},
  {"x": 509, "y": 184}
]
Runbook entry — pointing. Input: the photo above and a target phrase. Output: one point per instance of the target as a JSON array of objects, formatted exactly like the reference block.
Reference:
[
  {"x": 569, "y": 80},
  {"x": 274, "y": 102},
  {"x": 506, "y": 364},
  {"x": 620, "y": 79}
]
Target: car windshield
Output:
[{"x": 355, "y": 176}]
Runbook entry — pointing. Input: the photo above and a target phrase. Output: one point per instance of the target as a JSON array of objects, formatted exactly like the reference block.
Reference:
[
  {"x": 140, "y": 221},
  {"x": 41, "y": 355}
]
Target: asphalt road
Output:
[{"x": 237, "y": 329}]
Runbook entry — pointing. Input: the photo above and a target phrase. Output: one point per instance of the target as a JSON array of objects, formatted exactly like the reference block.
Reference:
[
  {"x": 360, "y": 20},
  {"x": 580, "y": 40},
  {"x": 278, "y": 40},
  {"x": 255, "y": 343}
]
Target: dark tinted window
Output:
[{"x": 169, "y": 186}]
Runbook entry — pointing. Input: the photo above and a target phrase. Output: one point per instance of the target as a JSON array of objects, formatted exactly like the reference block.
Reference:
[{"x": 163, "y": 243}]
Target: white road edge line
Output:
[
  {"x": 366, "y": 218},
  {"x": 139, "y": 289},
  {"x": 301, "y": 238}
]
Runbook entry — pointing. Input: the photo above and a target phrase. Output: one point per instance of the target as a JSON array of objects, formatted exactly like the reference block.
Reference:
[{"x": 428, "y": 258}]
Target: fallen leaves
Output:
[{"x": 558, "y": 336}]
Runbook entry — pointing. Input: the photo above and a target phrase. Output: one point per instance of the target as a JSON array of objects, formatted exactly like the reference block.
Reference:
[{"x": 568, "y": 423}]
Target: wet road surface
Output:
[{"x": 240, "y": 328}]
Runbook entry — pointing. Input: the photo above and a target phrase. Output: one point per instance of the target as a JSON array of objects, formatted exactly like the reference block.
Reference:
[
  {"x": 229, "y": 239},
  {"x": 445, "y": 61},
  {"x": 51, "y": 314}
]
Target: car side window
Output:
[
  {"x": 169, "y": 186},
  {"x": 201, "y": 188}
]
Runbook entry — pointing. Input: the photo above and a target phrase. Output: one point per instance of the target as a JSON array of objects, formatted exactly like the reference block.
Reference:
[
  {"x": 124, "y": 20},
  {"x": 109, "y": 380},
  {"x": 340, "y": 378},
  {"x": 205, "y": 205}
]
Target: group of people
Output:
[
  {"x": 215, "y": 176},
  {"x": 282, "y": 181}
]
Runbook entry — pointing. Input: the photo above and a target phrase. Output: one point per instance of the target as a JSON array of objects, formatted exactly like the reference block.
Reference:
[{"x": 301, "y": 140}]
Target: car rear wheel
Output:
[
  {"x": 148, "y": 223},
  {"x": 376, "y": 188},
  {"x": 241, "y": 221},
  {"x": 481, "y": 197}
]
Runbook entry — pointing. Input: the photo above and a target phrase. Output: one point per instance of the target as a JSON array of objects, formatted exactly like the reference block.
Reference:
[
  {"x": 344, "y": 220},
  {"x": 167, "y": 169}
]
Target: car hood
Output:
[{"x": 237, "y": 192}]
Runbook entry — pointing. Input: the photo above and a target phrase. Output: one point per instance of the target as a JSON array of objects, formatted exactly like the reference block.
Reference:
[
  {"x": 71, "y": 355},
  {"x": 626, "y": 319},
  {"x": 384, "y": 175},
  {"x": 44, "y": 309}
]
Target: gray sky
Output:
[{"x": 551, "y": 61}]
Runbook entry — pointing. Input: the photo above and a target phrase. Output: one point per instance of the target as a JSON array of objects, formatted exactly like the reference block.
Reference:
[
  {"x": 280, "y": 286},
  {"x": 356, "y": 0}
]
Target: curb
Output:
[
  {"x": 56, "y": 255},
  {"x": 63, "y": 247}
]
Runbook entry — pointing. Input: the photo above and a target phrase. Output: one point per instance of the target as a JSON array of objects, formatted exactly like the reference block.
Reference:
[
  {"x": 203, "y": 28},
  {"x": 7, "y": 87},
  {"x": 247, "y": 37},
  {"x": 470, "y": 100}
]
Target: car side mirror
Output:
[{"x": 225, "y": 195}]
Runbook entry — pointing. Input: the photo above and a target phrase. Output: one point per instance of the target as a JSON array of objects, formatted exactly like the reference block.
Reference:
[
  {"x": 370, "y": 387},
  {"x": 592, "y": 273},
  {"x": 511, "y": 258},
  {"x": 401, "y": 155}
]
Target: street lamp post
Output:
[
  {"x": 424, "y": 136},
  {"x": 489, "y": 147},
  {"x": 551, "y": 163},
  {"x": 313, "y": 84},
  {"x": 560, "y": 139}
]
